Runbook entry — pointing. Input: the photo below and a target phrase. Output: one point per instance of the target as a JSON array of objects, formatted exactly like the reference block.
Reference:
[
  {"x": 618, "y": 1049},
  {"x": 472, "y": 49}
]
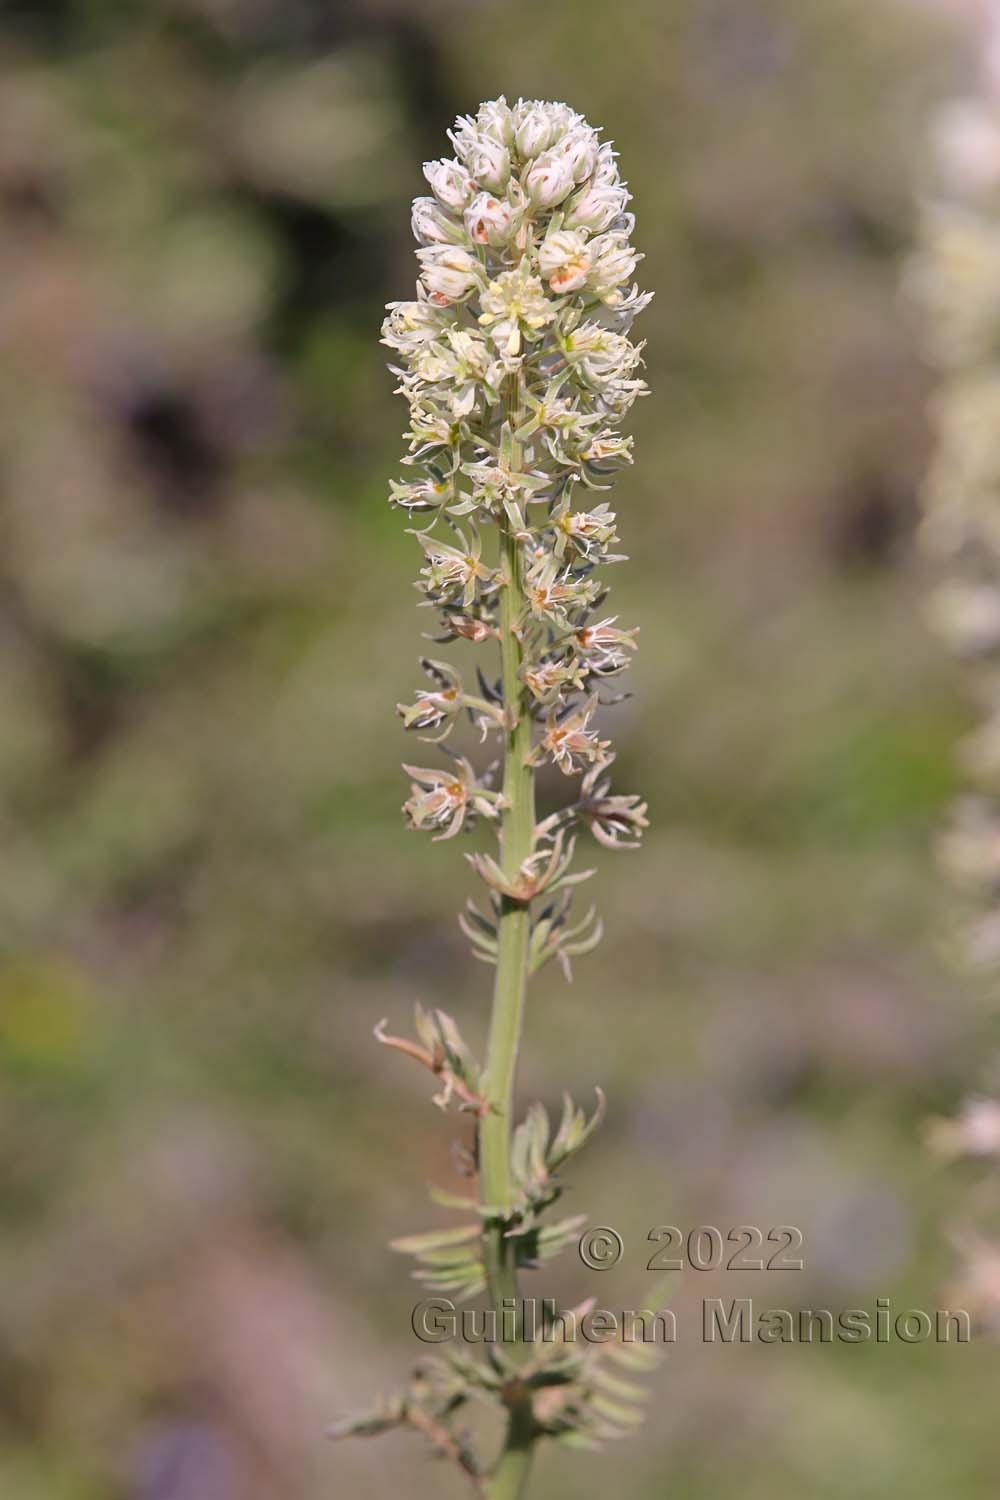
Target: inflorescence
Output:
[{"x": 517, "y": 344}]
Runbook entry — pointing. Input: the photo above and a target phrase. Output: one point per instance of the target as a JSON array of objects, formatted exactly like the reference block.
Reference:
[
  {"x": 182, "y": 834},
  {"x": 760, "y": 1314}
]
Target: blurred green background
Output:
[{"x": 206, "y": 618}]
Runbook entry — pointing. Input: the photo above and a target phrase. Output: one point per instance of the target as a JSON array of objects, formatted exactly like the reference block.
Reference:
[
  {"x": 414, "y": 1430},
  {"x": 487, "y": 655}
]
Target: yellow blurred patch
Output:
[{"x": 42, "y": 1012}]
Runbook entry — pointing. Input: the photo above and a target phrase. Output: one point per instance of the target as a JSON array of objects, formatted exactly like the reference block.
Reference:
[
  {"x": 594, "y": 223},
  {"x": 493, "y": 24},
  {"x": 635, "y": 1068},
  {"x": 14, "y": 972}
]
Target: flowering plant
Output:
[
  {"x": 516, "y": 362},
  {"x": 957, "y": 279}
]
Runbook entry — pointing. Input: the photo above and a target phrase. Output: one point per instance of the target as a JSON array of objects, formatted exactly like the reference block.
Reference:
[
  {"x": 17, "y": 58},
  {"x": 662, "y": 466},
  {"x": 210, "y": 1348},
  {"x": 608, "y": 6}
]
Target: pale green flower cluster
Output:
[{"x": 516, "y": 361}]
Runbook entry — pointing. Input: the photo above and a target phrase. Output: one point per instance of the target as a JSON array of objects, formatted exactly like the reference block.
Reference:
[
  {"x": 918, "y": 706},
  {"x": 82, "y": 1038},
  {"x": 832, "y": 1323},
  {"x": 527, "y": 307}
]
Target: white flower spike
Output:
[{"x": 518, "y": 367}]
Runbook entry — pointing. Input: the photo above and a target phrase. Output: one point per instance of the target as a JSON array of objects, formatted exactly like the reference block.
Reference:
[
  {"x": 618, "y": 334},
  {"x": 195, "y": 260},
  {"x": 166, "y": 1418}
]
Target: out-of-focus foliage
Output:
[
  {"x": 205, "y": 620},
  {"x": 956, "y": 276}
]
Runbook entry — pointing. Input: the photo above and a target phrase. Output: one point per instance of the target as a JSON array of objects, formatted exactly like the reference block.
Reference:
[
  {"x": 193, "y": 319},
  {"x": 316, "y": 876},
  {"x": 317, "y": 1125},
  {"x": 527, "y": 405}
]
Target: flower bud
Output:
[
  {"x": 431, "y": 225},
  {"x": 595, "y": 206},
  {"x": 469, "y": 628},
  {"x": 548, "y": 179},
  {"x": 579, "y": 151},
  {"x": 489, "y": 163},
  {"x": 563, "y": 118},
  {"x": 449, "y": 273},
  {"x": 606, "y": 167},
  {"x": 564, "y": 260},
  {"x": 496, "y": 119},
  {"x": 489, "y": 220},
  {"x": 535, "y": 132},
  {"x": 450, "y": 183}
]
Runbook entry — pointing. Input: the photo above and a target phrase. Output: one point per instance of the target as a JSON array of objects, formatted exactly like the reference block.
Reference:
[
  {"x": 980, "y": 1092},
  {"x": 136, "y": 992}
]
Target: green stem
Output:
[
  {"x": 517, "y": 837},
  {"x": 511, "y": 1473}
]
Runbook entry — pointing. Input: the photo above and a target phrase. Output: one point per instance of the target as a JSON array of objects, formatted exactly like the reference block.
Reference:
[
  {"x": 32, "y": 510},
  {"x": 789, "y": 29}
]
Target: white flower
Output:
[
  {"x": 453, "y": 570},
  {"x": 512, "y": 302},
  {"x": 548, "y": 179},
  {"x": 421, "y": 495},
  {"x": 445, "y": 798},
  {"x": 450, "y": 183},
  {"x": 570, "y": 741},
  {"x": 605, "y": 648},
  {"x": 608, "y": 448},
  {"x": 613, "y": 261},
  {"x": 489, "y": 220},
  {"x": 466, "y": 365},
  {"x": 625, "y": 306},
  {"x": 590, "y": 530},
  {"x": 600, "y": 355},
  {"x": 550, "y": 592},
  {"x": 429, "y": 428},
  {"x": 410, "y": 325},
  {"x": 489, "y": 163},
  {"x": 449, "y": 273},
  {"x": 431, "y": 224},
  {"x": 565, "y": 260},
  {"x": 472, "y": 352}
]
